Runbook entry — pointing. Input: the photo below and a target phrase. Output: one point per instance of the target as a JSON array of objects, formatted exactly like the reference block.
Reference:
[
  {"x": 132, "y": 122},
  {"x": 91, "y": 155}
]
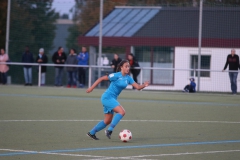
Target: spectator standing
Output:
[
  {"x": 82, "y": 57},
  {"x": 3, "y": 67},
  {"x": 233, "y": 62},
  {"x": 27, "y": 57},
  {"x": 72, "y": 60},
  {"x": 133, "y": 63},
  {"x": 59, "y": 57},
  {"x": 42, "y": 58},
  {"x": 191, "y": 87},
  {"x": 116, "y": 60}
]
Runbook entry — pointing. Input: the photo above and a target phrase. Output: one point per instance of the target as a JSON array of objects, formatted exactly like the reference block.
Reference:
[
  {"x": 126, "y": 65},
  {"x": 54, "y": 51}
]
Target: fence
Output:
[
  {"x": 217, "y": 81},
  {"x": 164, "y": 37}
]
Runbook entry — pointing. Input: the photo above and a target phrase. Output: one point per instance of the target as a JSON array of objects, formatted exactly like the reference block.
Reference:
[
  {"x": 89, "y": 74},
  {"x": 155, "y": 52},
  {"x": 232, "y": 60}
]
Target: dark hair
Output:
[
  {"x": 134, "y": 58},
  {"x": 74, "y": 50},
  {"x": 59, "y": 48},
  {"x": 121, "y": 64},
  {"x": 131, "y": 55}
]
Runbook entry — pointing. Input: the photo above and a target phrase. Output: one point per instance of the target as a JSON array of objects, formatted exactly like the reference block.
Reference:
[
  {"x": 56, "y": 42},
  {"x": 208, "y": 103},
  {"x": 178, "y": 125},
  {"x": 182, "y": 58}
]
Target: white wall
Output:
[{"x": 217, "y": 82}]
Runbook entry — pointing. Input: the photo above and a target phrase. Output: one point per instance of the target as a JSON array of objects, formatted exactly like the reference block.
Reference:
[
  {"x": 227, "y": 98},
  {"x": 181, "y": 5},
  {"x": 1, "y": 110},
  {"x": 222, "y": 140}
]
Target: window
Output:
[
  {"x": 158, "y": 57},
  {"x": 205, "y": 64}
]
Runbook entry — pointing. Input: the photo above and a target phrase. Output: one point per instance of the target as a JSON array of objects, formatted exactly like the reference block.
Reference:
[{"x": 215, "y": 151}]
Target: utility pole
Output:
[
  {"x": 199, "y": 43},
  {"x": 100, "y": 37},
  {"x": 8, "y": 27}
]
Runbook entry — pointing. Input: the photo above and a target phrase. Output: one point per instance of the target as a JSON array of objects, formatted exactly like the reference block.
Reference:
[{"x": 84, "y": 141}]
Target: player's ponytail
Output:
[{"x": 121, "y": 64}]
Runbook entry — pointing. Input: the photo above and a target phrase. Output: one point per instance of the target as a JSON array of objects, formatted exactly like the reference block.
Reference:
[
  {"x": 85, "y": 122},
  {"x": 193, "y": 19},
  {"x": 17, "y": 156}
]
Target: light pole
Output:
[
  {"x": 8, "y": 26},
  {"x": 199, "y": 43},
  {"x": 100, "y": 37}
]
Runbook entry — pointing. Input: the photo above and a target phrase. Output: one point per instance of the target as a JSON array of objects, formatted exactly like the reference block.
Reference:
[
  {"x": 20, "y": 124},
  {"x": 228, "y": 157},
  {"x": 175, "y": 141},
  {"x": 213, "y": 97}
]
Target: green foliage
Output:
[
  {"x": 32, "y": 24},
  {"x": 3, "y": 19},
  {"x": 72, "y": 40}
]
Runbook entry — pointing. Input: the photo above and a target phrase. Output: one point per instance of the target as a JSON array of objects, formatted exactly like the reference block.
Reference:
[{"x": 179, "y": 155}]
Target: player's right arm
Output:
[
  {"x": 139, "y": 87},
  {"x": 95, "y": 84}
]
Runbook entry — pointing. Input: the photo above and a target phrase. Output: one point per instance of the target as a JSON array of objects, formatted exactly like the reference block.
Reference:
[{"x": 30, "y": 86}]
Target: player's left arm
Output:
[
  {"x": 99, "y": 80},
  {"x": 139, "y": 87}
]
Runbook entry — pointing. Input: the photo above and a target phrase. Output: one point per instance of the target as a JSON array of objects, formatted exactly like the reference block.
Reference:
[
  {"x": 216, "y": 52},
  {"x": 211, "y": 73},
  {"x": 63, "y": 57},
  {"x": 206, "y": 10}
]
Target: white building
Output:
[{"x": 167, "y": 37}]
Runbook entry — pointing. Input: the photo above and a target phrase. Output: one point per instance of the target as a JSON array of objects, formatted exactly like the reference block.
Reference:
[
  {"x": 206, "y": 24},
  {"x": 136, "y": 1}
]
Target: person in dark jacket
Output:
[
  {"x": 72, "y": 60},
  {"x": 59, "y": 57},
  {"x": 116, "y": 60},
  {"x": 133, "y": 63},
  {"x": 233, "y": 62},
  {"x": 42, "y": 58},
  {"x": 27, "y": 57},
  {"x": 191, "y": 87}
]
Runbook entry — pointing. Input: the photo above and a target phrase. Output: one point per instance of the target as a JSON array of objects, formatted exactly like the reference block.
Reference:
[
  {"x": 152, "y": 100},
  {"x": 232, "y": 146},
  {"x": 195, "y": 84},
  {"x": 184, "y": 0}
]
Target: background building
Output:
[{"x": 166, "y": 37}]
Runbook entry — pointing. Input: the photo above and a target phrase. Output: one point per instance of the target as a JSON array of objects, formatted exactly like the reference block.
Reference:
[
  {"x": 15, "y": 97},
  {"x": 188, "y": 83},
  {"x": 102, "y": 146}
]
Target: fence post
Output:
[
  {"x": 89, "y": 76},
  {"x": 39, "y": 75},
  {"x": 141, "y": 76}
]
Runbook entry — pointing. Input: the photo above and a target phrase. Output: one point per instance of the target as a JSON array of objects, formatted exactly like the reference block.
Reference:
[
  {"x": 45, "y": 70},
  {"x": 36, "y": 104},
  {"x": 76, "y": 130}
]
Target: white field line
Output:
[
  {"x": 162, "y": 121},
  {"x": 49, "y": 153},
  {"x": 128, "y": 157},
  {"x": 171, "y": 154}
]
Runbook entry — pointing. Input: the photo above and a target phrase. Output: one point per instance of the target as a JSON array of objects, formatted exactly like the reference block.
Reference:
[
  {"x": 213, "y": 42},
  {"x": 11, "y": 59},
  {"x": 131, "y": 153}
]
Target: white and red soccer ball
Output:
[{"x": 125, "y": 135}]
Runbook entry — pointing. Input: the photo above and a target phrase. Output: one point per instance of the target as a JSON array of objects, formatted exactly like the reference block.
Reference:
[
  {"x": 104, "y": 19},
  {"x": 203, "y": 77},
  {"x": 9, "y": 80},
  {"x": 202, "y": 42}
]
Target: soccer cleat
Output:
[
  {"x": 92, "y": 136},
  {"x": 108, "y": 133}
]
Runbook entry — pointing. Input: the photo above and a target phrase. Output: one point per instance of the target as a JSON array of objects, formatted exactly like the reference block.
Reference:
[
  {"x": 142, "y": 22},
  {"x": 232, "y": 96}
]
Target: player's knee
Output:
[{"x": 122, "y": 113}]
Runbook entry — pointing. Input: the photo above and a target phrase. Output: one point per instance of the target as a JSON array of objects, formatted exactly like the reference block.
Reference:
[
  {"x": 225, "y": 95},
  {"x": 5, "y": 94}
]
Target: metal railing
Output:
[{"x": 91, "y": 67}]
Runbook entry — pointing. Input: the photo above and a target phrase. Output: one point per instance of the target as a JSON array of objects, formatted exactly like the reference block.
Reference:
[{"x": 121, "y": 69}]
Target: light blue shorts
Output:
[{"x": 109, "y": 103}]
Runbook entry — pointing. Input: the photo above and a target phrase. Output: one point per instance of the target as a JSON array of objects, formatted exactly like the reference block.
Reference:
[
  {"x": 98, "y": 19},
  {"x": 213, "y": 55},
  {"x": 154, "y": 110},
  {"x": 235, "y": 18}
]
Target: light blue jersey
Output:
[{"x": 118, "y": 83}]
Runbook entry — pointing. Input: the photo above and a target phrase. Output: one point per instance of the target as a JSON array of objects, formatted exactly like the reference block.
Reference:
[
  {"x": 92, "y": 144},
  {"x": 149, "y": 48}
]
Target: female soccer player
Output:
[{"x": 119, "y": 81}]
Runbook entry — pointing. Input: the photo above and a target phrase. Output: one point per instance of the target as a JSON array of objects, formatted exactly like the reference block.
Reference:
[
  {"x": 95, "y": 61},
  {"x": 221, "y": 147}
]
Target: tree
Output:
[
  {"x": 3, "y": 19},
  {"x": 86, "y": 14},
  {"x": 32, "y": 24}
]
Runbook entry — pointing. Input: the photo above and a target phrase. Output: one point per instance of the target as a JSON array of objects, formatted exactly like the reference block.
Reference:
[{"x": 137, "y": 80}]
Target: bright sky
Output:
[{"x": 63, "y": 6}]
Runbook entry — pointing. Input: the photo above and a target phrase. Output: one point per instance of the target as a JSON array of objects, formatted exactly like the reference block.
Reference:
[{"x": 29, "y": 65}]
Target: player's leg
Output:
[
  {"x": 120, "y": 112},
  {"x": 101, "y": 125}
]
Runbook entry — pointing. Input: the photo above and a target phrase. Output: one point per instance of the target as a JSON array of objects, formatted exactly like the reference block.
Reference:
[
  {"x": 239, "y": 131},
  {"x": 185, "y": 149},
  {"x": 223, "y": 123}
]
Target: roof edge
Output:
[
  {"x": 134, "y": 7},
  {"x": 181, "y": 8}
]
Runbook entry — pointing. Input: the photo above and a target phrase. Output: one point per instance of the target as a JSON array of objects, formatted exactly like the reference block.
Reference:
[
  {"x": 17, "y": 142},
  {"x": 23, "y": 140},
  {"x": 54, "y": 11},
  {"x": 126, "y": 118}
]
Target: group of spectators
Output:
[
  {"x": 60, "y": 58},
  {"x": 133, "y": 63}
]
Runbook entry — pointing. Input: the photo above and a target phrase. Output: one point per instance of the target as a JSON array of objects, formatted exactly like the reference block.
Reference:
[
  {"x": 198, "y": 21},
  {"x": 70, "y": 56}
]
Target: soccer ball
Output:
[{"x": 125, "y": 135}]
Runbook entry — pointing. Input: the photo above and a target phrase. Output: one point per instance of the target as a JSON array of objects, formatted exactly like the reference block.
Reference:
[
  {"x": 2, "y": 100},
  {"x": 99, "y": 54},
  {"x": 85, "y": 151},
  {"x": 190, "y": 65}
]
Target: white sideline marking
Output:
[
  {"x": 128, "y": 157},
  {"x": 49, "y": 153},
  {"x": 170, "y": 154},
  {"x": 162, "y": 121}
]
